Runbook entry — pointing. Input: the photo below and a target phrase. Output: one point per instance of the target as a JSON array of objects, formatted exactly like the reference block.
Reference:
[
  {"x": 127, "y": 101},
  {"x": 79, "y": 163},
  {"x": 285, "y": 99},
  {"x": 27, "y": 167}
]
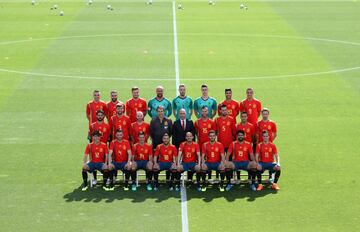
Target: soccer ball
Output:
[
  {"x": 55, "y": 6},
  {"x": 242, "y": 6},
  {"x": 90, "y": 2},
  {"x": 211, "y": 2},
  {"x": 180, "y": 7},
  {"x": 109, "y": 7},
  {"x": 61, "y": 13},
  {"x": 150, "y": 2},
  {"x": 33, "y": 2}
]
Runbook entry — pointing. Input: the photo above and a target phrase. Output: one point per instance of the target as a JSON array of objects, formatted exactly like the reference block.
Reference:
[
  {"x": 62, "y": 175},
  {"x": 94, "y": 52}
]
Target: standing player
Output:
[
  {"x": 182, "y": 102},
  {"x": 135, "y": 104},
  {"x": 165, "y": 158},
  {"x": 143, "y": 157},
  {"x": 251, "y": 106},
  {"x": 189, "y": 159},
  {"x": 242, "y": 159},
  {"x": 92, "y": 107},
  {"x": 111, "y": 105},
  {"x": 205, "y": 100},
  {"x": 101, "y": 126},
  {"x": 266, "y": 154},
  {"x": 97, "y": 153},
  {"x": 231, "y": 105},
  {"x": 120, "y": 158},
  {"x": 226, "y": 128},
  {"x": 212, "y": 158},
  {"x": 120, "y": 122},
  {"x": 203, "y": 125},
  {"x": 157, "y": 101},
  {"x": 265, "y": 124},
  {"x": 139, "y": 126}
]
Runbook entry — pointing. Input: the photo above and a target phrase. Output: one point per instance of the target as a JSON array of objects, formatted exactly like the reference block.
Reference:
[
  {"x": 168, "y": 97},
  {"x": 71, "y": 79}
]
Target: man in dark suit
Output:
[{"x": 179, "y": 130}]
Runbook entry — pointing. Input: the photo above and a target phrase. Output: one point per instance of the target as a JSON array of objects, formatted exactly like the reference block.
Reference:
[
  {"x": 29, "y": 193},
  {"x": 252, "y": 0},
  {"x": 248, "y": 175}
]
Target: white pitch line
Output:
[
  {"x": 184, "y": 211},
  {"x": 176, "y": 52}
]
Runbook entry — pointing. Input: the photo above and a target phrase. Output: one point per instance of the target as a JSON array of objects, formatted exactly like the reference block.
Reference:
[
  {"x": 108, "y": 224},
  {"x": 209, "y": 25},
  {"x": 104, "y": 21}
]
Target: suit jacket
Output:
[{"x": 179, "y": 133}]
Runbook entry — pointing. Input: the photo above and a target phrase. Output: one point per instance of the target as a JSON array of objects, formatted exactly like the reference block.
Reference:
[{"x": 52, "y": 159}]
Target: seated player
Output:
[
  {"x": 165, "y": 158},
  {"x": 212, "y": 158},
  {"x": 265, "y": 153},
  {"x": 120, "y": 158},
  {"x": 97, "y": 153},
  {"x": 242, "y": 159},
  {"x": 188, "y": 159},
  {"x": 143, "y": 157}
]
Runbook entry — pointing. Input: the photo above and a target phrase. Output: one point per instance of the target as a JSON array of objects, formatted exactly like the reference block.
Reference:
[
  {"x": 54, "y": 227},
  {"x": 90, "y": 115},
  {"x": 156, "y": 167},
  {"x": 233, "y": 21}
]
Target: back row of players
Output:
[{"x": 222, "y": 145}]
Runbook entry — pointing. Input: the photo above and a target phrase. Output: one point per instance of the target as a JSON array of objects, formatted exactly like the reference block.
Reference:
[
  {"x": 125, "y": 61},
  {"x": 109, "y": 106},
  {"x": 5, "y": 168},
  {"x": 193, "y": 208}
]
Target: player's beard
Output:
[
  {"x": 159, "y": 95},
  {"x": 113, "y": 99},
  {"x": 240, "y": 139}
]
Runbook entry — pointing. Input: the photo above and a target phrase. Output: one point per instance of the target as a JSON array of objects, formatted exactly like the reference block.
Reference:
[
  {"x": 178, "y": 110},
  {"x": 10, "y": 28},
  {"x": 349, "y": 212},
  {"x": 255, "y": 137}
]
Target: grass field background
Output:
[{"x": 43, "y": 125}]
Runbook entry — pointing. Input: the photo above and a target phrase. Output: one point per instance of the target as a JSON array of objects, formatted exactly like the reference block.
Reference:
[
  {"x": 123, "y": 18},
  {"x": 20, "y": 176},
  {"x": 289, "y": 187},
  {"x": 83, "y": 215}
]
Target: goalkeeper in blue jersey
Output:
[
  {"x": 157, "y": 101},
  {"x": 182, "y": 102},
  {"x": 205, "y": 100}
]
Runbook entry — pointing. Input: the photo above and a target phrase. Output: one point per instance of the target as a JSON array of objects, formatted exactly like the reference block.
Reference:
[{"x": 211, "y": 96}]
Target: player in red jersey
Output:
[
  {"x": 268, "y": 159},
  {"x": 111, "y": 105},
  {"x": 226, "y": 128},
  {"x": 251, "y": 106},
  {"x": 121, "y": 121},
  {"x": 120, "y": 158},
  {"x": 143, "y": 156},
  {"x": 212, "y": 158},
  {"x": 93, "y": 106},
  {"x": 96, "y": 152},
  {"x": 231, "y": 105},
  {"x": 101, "y": 126},
  {"x": 242, "y": 158},
  {"x": 139, "y": 126},
  {"x": 203, "y": 125},
  {"x": 189, "y": 158},
  {"x": 265, "y": 124},
  {"x": 165, "y": 158},
  {"x": 250, "y": 137},
  {"x": 135, "y": 104}
]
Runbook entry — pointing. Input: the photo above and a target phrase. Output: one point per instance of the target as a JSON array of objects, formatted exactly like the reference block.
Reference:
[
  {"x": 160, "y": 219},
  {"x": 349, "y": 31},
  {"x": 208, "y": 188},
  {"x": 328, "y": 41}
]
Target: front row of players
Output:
[{"x": 239, "y": 156}]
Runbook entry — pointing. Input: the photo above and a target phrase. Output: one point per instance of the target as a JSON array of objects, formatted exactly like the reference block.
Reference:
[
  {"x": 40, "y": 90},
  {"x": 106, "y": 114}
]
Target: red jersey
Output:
[
  {"x": 212, "y": 151},
  {"x": 97, "y": 153},
  {"x": 202, "y": 129},
  {"x": 165, "y": 153},
  {"x": 120, "y": 150},
  {"x": 123, "y": 123},
  {"x": 232, "y": 108},
  {"x": 266, "y": 152},
  {"x": 103, "y": 128},
  {"x": 189, "y": 152},
  {"x": 226, "y": 130},
  {"x": 91, "y": 109},
  {"x": 252, "y": 108},
  {"x": 240, "y": 151},
  {"x": 142, "y": 152},
  {"x": 111, "y": 107},
  {"x": 136, "y": 128},
  {"x": 135, "y": 105},
  {"x": 269, "y": 126},
  {"x": 249, "y": 130}
]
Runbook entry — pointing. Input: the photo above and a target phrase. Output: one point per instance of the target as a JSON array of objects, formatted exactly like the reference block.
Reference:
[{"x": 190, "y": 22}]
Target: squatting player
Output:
[
  {"x": 268, "y": 159},
  {"x": 96, "y": 152},
  {"x": 212, "y": 158},
  {"x": 242, "y": 159},
  {"x": 165, "y": 158},
  {"x": 120, "y": 159},
  {"x": 189, "y": 158},
  {"x": 143, "y": 156}
]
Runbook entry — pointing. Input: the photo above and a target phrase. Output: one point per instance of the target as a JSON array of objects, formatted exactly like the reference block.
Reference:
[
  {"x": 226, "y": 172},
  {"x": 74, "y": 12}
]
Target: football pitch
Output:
[{"x": 301, "y": 57}]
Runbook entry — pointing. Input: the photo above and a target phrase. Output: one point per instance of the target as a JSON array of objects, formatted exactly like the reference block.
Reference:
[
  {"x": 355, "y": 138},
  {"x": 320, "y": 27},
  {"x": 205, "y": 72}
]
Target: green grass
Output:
[{"x": 43, "y": 125}]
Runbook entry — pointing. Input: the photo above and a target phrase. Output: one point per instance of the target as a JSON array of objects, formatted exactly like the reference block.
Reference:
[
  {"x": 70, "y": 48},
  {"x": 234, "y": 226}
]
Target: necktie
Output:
[{"x": 183, "y": 124}]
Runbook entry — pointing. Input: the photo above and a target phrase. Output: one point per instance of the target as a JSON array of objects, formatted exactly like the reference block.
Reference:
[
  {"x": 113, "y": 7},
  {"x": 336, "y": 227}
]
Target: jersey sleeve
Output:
[
  {"x": 106, "y": 150},
  {"x": 221, "y": 148},
  {"x": 133, "y": 150},
  {"x": 218, "y": 110},
  {"x": 149, "y": 108},
  {"x": 168, "y": 108},
  {"x": 258, "y": 149},
  {"x": 214, "y": 105},
  {"x": 157, "y": 151},
  {"x": 88, "y": 109},
  {"x": 87, "y": 149},
  {"x": 274, "y": 149},
  {"x": 259, "y": 107},
  {"x": 181, "y": 147},
  {"x": 175, "y": 151},
  {"x": 197, "y": 148},
  {"x": 203, "y": 149},
  {"x": 111, "y": 146},
  {"x": 128, "y": 146},
  {"x": 191, "y": 103},
  {"x": 150, "y": 151},
  {"x": 275, "y": 129},
  {"x": 230, "y": 149},
  {"x": 241, "y": 107}
]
